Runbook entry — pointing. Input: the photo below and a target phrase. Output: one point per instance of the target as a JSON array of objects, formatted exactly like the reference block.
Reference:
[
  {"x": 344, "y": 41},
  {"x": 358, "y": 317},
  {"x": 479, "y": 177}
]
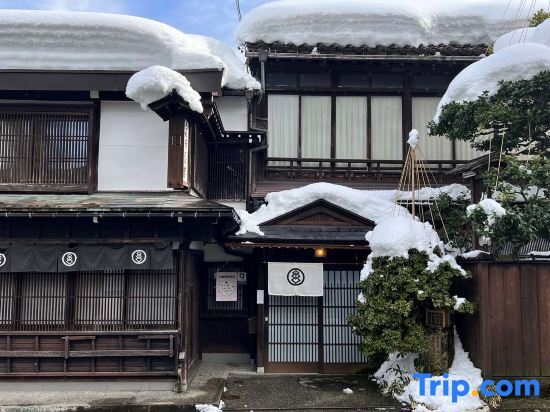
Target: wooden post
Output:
[
  {"x": 413, "y": 175},
  {"x": 184, "y": 339},
  {"x": 261, "y": 313}
]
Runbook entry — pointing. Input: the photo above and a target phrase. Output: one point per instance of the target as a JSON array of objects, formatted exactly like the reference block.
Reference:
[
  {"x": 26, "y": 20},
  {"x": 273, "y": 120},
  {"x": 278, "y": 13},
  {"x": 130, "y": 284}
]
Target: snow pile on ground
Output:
[
  {"x": 461, "y": 369},
  {"x": 374, "y": 205},
  {"x": 512, "y": 61},
  {"x": 395, "y": 236},
  {"x": 490, "y": 207},
  {"x": 366, "y": 22},
  {"x": 55, "y": 40},
  {"x": 155, "y": 82},
  {"x": 210, "y": 408}
]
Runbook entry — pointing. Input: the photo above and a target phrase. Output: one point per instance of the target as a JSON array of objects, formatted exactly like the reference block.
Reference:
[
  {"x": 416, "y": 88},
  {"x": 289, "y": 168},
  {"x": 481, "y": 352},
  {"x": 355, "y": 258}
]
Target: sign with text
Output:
[
  {"x": 295, "y": 279},
  {"x": 226, "y": 286}
]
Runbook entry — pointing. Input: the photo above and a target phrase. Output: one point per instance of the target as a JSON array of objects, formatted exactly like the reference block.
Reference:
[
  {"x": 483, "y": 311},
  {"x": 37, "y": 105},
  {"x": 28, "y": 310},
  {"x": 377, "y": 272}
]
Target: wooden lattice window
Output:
[{"x": 45, "y": 149}]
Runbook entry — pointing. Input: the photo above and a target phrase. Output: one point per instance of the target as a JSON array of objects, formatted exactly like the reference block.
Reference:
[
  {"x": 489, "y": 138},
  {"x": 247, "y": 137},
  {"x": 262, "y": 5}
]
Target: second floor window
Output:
[
  {"x": 43, "y": 148},
  {"x": 353, "y": 127}
]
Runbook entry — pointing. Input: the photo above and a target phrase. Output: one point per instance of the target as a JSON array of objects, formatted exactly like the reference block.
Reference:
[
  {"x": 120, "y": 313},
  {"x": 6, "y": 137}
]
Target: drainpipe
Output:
[{"x": 262, "y": 57}]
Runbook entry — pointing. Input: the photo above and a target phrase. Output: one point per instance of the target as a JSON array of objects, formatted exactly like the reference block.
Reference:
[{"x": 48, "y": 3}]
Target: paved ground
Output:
[
  {"x": 245, "y": 391},
  {"x": 541, "y": 404},
  {"x": 206, "y": 387},
  {"x": 304, "y": 392}
]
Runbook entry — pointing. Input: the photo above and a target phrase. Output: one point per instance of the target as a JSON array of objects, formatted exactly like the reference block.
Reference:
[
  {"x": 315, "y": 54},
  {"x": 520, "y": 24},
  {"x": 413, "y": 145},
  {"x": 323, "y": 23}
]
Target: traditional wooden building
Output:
[
  {"x": 104, "y": 206},
  {"x": 119, "y": 252},
  {"x": 340, "y": 95}
]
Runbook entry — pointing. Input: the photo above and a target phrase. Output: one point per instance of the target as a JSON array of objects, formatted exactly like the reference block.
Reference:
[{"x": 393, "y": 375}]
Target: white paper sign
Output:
[
  {"x": 226, "y": 286},
  {"x": 260, "y": 297},
  {"x": 295, "y": 279}
]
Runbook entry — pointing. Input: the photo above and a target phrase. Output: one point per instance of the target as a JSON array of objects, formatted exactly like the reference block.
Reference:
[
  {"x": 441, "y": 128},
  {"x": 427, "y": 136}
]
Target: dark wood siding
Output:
[
  {"x": 88, "y": 301},
  {"x": 510, "y": 333},
  {"x": 228, "y": 171}
]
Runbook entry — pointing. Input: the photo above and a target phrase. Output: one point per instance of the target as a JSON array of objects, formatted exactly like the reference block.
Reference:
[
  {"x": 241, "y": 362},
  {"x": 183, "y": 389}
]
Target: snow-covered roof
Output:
[
  {"x": 374, "y": 205},
  {"x": 512, "y": 61},
  {"x": 155, "y": 82},
  {"x": 379, "y": 22},
  {"x": 54, "y": 40}
]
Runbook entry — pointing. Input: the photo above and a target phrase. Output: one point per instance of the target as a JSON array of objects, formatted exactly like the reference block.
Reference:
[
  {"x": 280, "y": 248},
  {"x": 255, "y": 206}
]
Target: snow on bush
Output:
[
  {"x": 56, "y": 40},
  {"x": 395, "y": 236},
  {"x": 490, "y": 207},
  {"x": 155, "y": 82},
  {"x": 473, "y": 254},
  {"x": 518, "y": 56},
  {"x": 462, "y": 368},
  {"x": 366, "y": 22},
  {"x": 374, "y": 205},
  {"x": 514, "y": 37}
]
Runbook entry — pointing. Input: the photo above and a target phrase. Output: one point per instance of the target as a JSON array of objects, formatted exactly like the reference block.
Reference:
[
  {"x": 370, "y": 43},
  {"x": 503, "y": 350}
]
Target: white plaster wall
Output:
[
  {"x": 233, "y": 111},
  {"x": 133, "y": 149}
]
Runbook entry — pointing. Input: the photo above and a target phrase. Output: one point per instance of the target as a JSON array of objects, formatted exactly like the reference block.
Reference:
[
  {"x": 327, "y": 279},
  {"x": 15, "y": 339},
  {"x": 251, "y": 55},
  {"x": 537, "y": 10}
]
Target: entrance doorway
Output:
[
  {"x": 311, "y": 334},
  {"x": 224, "y": 326}
]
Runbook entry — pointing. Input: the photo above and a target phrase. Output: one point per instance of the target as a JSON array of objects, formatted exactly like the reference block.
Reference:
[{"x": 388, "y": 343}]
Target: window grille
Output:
[{"x": 44, "y": 148}]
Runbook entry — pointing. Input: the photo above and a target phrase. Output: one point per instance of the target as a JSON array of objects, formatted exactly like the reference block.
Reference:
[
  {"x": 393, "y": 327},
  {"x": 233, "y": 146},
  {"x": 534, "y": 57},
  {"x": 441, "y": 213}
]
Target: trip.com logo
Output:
[{"x": 456, "y": 388}]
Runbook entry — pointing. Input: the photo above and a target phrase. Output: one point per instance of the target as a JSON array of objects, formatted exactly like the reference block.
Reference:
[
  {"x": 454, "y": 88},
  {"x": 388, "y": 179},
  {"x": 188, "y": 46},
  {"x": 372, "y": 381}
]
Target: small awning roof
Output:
[
  {"x": 178, "y": 203},
  {"x": 317, "y": 224}
]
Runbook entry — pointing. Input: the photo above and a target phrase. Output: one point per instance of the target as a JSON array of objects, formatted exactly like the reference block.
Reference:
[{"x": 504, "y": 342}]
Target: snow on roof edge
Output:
[
  {"x": 365, "y": 23},
  {"x": 64, "y": 40},
  {"x": 155, "y": 82}
]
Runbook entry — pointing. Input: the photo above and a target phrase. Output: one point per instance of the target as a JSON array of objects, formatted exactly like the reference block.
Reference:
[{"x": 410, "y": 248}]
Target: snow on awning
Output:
[
  {"x": 375, "y": 205},
  {"x": 373, "y": 22},
  {"x": 54, "y": 40},
  {"x": 155, "y": 82}
]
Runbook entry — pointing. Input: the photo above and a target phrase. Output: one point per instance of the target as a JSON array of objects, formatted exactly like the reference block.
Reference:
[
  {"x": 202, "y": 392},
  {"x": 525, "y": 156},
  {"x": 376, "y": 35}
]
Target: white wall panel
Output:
[
  {"x": 315, "y": 126},
  {"x": 283, "y": 125},
  {"x": 233, "y": 111},
  {"x": 351, "y": 127},
  {"x": 465, "y": 152},
  {"x": 386, "y": 127},
  {"x": 433, "y": 147},
  {"x": 133, "y": 149}
]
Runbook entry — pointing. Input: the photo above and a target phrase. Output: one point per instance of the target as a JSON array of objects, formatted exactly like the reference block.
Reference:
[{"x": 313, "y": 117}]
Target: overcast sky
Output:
[{"x": 216, "y": 18}]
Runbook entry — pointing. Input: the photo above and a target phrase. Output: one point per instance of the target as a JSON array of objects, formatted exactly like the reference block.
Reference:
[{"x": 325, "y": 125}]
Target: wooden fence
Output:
[{"x": 509, "y": 336}]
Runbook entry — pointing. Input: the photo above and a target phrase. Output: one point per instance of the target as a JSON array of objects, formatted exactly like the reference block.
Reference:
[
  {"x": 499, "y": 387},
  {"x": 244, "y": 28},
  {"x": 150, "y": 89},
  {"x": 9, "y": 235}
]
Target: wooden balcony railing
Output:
[{"x": 283, "y": 168}]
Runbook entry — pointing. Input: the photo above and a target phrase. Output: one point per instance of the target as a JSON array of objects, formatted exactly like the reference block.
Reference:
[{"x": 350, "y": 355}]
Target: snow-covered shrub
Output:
[{"x": 406, "y": 272}]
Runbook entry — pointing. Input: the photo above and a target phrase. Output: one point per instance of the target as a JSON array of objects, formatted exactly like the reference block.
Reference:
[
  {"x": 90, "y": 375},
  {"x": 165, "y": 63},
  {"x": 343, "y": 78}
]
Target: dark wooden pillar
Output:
[
  {"x": 261, "y": 337},
  {"x": 179, "y": 143},
  {"x": 406, "y": 112},
  {"x": 183, "y": 355}
]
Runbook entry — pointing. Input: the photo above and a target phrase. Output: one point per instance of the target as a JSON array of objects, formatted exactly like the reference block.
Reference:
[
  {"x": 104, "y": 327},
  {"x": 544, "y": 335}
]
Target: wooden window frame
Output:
[
  {"x": 406, "y": 112},
  {"x": 92, "y": 110}
]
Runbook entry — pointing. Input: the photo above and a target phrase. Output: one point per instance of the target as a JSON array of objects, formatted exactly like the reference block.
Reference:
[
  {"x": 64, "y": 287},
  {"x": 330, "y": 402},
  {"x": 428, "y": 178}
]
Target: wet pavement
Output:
[{"x": 305, "y": 392}]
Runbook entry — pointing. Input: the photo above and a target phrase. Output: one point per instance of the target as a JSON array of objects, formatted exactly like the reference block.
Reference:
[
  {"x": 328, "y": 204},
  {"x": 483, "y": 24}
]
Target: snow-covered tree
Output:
[{"x": 520, "y": 111}]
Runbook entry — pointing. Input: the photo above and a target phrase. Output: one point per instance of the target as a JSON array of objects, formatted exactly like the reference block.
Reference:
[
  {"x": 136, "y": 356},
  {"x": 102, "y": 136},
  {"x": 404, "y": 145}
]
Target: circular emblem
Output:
[
  {"x": 139, "y": 256},
  {"x": 3, "y": 259},
  {"x": 226, "y": 287},
  {"x": 69, "y": 259},
  {"x": 295, "y": 277}
]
